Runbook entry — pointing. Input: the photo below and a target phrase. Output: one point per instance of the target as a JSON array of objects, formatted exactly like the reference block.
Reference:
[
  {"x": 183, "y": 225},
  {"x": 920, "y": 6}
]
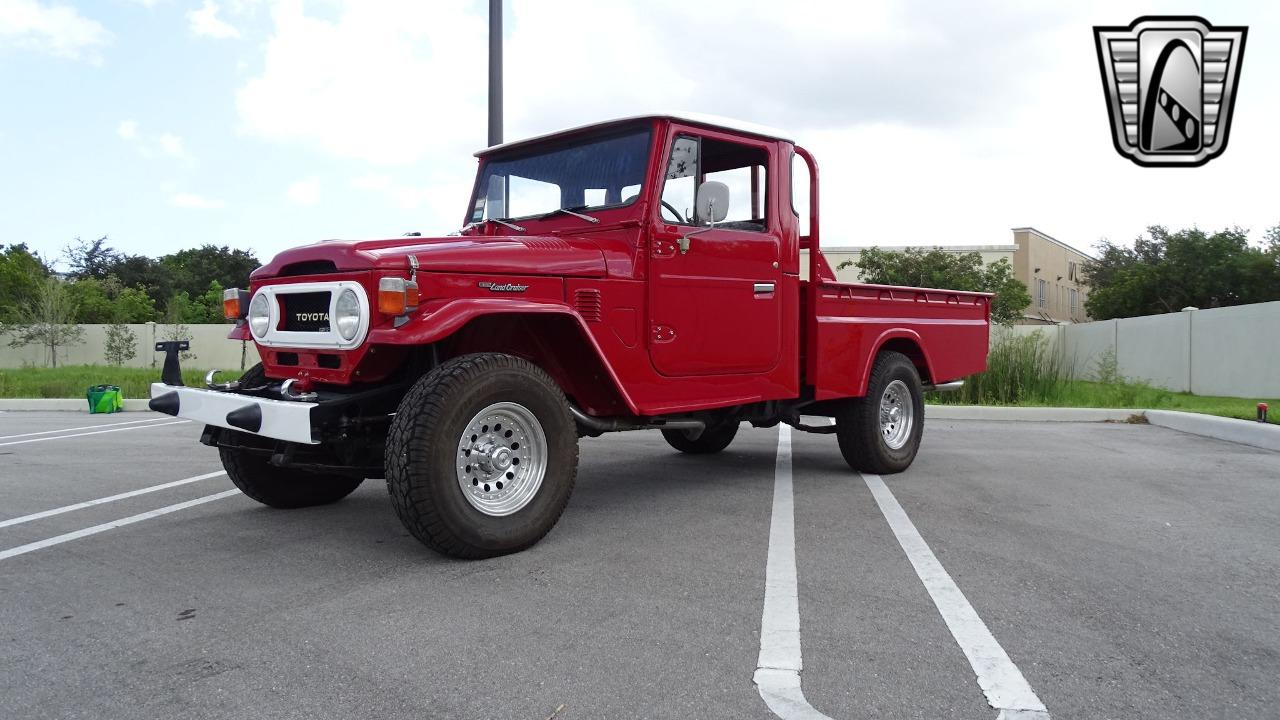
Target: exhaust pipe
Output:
[{"x": 944, "y": 387}]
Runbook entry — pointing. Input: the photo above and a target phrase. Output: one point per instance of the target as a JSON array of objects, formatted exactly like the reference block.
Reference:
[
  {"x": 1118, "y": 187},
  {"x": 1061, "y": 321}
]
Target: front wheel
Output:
[
  {"x": 880, "y": 433},
  {"x": 246, "y": 458},
  {"x": 481, "y": 456}
]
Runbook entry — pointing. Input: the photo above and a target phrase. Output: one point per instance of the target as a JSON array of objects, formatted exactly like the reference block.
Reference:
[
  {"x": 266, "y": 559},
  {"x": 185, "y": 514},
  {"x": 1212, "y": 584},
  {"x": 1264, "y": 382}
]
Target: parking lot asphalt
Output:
[{"x": 1128, "y": 572}]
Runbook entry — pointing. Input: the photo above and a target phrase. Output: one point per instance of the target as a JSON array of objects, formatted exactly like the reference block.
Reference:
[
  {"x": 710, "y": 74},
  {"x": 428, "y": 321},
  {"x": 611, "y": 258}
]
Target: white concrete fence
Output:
[
  {"x": 210, "y": 349},
  {"x": 1232, "y": 351}
]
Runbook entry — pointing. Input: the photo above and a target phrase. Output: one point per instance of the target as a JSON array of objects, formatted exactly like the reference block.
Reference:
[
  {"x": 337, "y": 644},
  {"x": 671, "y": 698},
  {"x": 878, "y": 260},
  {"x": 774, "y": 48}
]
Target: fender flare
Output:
[
  {"x": 883, "y": 339},
  {"x": 454, "y": 315}
]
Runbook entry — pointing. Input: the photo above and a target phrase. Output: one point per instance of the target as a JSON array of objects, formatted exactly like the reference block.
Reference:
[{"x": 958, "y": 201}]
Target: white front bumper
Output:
[{"x": 280, "y": 419}]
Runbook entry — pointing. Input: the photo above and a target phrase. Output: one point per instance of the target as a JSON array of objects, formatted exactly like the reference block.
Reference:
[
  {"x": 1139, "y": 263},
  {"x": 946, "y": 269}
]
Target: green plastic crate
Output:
[{"x": 105, "y": 399}]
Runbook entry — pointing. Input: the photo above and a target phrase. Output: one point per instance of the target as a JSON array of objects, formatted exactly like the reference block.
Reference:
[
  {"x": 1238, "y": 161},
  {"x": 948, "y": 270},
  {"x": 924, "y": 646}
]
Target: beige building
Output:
[
  {"x": 1051, "y": 270},
  {"x": 1054, "y": 274}
]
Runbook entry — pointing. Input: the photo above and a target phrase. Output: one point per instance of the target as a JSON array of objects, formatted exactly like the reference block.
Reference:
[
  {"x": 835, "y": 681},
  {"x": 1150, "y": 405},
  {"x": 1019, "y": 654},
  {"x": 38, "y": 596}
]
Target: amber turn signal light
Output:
[
  {"x": 235, "y": 303},
  {"x": 397, "y": 296}
]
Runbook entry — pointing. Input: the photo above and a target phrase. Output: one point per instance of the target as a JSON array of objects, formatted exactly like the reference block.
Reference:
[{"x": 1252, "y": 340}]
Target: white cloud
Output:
[
  {"x": 150, "y": 146},
  {"x": 305, "y": 192},
  {"x": 932, "y": 123},
  {"x": 407, "y": 196},
  {"x": 387, "y": 82},
  {"x": 172, "y": 146},
  {"x": 55, "y": 29},
  {"x": 198, "y": 202},
  {"x": 205, "y": 22}
]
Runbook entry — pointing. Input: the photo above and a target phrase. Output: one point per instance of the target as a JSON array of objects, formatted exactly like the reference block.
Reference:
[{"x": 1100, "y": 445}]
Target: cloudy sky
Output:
[{"x": 263, "y": 124}]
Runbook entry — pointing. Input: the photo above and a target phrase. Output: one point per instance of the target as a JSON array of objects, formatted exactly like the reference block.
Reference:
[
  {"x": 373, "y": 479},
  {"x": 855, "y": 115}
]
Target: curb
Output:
[
  {"x": 1029, "y": 414},
  {"x": 1243, "y": 432},
  {"x": 62, "y": 405}
]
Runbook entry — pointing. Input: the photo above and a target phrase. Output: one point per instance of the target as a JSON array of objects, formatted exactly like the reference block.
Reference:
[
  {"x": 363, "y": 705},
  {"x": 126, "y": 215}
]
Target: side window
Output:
[
  {"x": 742, "y": 169},
  {"x": 682, "y": 176},
  {"x": 800, "y": 190}
]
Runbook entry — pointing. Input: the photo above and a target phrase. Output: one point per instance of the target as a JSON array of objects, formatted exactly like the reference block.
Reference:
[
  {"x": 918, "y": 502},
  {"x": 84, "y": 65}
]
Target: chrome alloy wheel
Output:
[
  {"x": 502, "y": 459},
  {"x": 897, "y": 415}
]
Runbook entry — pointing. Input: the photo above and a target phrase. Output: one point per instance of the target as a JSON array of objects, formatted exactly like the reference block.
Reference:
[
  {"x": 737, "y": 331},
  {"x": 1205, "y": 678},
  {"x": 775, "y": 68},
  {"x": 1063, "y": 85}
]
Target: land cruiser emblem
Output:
[{"x": 502, "y": 287}]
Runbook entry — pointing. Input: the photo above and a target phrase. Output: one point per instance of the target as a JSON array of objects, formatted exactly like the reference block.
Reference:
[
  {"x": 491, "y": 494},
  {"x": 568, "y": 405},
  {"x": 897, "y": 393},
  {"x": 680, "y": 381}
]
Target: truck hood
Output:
[{"x": 497, "y": 255}]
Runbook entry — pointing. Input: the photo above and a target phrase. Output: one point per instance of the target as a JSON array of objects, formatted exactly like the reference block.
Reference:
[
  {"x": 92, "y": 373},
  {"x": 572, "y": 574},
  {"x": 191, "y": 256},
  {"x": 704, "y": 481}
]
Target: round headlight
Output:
[
  {"x": 259, "y": 315},
  {"x": 346, "y": 314}
]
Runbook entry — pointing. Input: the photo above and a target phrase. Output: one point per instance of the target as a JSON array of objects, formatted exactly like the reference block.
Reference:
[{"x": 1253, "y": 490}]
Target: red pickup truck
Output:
[{"x": 643, "y": 273}]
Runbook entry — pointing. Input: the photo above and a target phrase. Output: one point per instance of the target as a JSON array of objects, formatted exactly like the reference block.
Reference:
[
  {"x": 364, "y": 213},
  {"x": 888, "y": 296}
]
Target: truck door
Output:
[{"x": 715, "y": 304}]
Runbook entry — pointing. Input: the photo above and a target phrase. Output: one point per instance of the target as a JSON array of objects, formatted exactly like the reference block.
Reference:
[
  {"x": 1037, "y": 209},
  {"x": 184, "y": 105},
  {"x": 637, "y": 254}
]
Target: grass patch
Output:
[
  {"x": 73, "y": 380},
  {"x": 1024, "y": 371}
]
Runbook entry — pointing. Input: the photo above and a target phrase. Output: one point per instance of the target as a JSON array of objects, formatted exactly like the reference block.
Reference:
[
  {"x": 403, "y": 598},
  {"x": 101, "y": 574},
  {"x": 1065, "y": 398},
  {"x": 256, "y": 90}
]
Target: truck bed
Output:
[{"x": 945, "y": 332}]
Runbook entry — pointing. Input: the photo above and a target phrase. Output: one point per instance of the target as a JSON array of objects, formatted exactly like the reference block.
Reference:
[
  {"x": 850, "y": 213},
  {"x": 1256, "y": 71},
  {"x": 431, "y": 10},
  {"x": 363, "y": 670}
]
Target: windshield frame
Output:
[{"x": 648, "y": 128}]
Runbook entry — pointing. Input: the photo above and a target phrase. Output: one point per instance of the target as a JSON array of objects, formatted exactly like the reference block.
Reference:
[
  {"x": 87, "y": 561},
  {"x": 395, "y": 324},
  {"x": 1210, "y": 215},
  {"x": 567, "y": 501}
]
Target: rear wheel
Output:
[
  {"x": 880, "y": 433},
  {"x": 482, "y": 456},
  {"x": 249, "y": 468},
  {"x": 711, "y": 440}
]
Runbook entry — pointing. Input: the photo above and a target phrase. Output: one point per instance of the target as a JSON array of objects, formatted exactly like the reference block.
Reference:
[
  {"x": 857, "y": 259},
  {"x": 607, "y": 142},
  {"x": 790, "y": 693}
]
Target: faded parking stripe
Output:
[
  {"x": 777, "y": 675},
  {"x": 111, "y": 498},
  {"x": 1006, "y": 689},
  {"x": 96, "y": 432},
  {"x": 83, "y": 427},
  {"x": 76, "y": 535}
]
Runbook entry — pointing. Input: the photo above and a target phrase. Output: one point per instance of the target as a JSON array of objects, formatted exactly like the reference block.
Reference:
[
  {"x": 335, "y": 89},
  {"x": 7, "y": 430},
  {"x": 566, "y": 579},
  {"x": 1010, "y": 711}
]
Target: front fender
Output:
[{"x": 442, "y": 322}]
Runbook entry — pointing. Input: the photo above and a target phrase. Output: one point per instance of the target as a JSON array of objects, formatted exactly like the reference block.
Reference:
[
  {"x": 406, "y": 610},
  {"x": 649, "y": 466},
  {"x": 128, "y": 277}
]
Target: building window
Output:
[
  {"x": 1075, "y": 300},
  {"x": 1042, "y": 293}
]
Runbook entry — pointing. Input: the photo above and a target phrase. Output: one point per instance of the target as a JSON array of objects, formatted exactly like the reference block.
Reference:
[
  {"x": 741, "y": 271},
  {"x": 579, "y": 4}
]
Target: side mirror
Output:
[{"x": 712, "y": 205}]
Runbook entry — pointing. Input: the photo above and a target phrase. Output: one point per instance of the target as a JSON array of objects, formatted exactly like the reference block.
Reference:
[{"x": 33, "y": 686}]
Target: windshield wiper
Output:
[
  {"x": 571, "y": 211},
  {"x": 500, "y": 221}
]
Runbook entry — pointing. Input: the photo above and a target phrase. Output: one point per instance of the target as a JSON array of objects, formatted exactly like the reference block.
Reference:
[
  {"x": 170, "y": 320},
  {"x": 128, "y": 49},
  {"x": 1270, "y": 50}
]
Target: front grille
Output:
[{"x": 305, "y": 312}]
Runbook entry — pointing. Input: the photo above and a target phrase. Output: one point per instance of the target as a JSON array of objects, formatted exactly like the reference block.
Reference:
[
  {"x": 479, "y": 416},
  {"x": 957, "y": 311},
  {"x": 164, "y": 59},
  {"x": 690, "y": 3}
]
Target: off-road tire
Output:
[
  {"x": 422, "y": 448},
  {"x": 858, "y": 429},
  {"x": 712, "y": 440},
  {"x": 277, "y": 487}
]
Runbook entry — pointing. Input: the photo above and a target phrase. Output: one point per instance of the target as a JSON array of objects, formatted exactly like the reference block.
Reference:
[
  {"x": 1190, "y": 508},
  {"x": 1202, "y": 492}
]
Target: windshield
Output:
[{"x": 592, "y": 173}]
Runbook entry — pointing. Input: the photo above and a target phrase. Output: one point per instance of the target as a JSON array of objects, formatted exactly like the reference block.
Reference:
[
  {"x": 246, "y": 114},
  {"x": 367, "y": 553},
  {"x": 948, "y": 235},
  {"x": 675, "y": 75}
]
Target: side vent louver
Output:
[{"x": 587, "y": 303}]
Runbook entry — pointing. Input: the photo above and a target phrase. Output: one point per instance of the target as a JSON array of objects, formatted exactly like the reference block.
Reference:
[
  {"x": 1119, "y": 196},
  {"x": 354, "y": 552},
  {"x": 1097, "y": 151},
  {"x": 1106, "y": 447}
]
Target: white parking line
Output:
[
  {"x": 777, "y": 675},
  {"x": 83, "y": 427},
  {"x": 1006, "y": 689},
  {"x": 112, "y": 498},
  {"x": 76, "y": 535},
  {"x": 97, "y": 432}
]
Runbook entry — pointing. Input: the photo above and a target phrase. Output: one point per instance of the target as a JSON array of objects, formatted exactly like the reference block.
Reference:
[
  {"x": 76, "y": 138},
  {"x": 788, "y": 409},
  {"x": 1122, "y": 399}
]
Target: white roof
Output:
[{"x": 689, "y": 117}]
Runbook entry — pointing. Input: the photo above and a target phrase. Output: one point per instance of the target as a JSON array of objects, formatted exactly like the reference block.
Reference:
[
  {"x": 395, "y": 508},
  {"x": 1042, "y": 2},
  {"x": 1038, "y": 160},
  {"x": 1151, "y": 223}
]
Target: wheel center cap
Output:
[
  {"x": 501, "y": 458},
  {"x": 895, "y": 414}
]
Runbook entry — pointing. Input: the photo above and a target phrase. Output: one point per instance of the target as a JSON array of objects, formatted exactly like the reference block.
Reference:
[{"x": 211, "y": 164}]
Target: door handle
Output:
[{"x": 763, "y": 288}]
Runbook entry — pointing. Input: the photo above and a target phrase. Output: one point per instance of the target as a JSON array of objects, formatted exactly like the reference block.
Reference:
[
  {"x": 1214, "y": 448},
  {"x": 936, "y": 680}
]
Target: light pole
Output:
[{"x": 495, "y": 72}]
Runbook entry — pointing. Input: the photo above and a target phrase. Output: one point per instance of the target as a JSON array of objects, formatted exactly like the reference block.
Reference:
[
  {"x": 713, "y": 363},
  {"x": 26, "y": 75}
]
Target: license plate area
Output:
[{"x": 305, "y": 312}]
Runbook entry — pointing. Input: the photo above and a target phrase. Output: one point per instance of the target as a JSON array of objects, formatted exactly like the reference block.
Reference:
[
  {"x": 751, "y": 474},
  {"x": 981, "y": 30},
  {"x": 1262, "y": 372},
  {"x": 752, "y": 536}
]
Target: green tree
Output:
[
  {"x": 93, "y": 299},
  {"x": 937, "y": 268},
  {"x": 20, "y": 274},
  {"x": 47, "y": 319},
  {"x": 89, "y": 258},
  {"x": 134, "y": 305},
  {"x": 192, "y": 271},
  {"x": 121, "y": 345},
  {"x": 1166, "y": 271}
]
